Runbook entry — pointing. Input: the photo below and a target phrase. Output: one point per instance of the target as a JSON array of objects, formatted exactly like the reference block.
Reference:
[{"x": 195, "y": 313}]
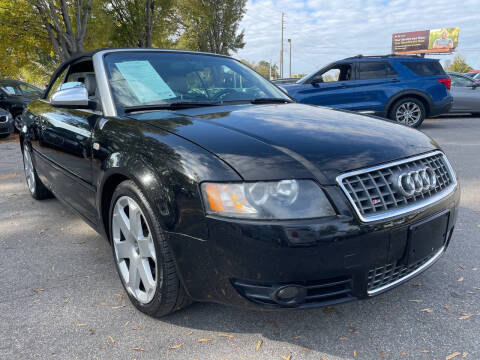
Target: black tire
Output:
[
  {"x": 38, "y": 191},
  {"x": 406, "y": 102},
  {"x": 170, "y": 295},
  {"x": 476, "y": 114}
]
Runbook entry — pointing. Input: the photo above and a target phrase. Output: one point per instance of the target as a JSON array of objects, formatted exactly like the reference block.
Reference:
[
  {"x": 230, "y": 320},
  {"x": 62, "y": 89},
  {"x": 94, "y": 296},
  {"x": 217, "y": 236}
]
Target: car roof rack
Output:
[{"x": 360, "y": 56}]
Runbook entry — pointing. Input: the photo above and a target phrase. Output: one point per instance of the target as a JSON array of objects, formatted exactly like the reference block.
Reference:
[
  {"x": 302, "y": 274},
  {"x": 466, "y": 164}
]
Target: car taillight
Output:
[{"x": 446, "y": 81}]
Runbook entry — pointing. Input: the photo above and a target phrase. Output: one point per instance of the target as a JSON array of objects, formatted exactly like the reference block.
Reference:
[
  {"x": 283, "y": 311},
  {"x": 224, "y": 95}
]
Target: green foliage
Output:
[
  {"x": 459, "y": 65},
  {"x": 210, "y": 25},
  {"x": 263, "y": 68},
  {"x": 38, "y": 34},
  {"x": 140, "y": 23}
]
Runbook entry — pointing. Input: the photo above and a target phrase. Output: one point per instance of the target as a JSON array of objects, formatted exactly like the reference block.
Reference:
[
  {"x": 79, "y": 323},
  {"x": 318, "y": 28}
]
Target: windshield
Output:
[
  {"x": 20, "y": 89},
  {"x": 155, "y": 78}
]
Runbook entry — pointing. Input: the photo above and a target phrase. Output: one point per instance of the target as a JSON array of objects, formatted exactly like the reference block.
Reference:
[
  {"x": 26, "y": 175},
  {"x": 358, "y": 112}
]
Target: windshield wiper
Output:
[
  {"x": 270, "y": 101},
  {"x": 168, "y": 106}
]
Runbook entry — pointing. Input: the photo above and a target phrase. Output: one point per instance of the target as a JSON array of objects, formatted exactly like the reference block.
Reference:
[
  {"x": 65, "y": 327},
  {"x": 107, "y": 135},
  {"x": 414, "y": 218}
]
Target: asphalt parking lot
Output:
[{"x": 61, "y": 298}]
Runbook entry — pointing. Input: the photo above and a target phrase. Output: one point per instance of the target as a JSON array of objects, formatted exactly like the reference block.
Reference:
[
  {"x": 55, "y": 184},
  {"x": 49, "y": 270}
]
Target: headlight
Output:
[
  {"x": 266, "y": 200},
  {"x": 9, "y": 117}
]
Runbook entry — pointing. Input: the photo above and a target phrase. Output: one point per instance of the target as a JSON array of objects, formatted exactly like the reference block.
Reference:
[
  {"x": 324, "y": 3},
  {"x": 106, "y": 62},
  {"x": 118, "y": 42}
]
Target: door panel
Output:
[
  {"x": 65, "y": 144},
  {"x": 465, "y": 99},
  {"x": 336, "y": 94}
]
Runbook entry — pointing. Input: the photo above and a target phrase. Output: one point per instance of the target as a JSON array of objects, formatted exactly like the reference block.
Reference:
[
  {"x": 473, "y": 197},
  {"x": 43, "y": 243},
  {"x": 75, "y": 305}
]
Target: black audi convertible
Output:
[{"x": 211, "y": 184}]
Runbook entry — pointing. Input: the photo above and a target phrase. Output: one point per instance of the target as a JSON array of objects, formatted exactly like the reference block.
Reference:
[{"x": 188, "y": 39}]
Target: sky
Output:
[{"x": 323, "y": 31}]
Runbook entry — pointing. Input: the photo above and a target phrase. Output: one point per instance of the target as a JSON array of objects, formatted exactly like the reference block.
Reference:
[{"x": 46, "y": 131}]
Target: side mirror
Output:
[{"x": 75, "y": 97}]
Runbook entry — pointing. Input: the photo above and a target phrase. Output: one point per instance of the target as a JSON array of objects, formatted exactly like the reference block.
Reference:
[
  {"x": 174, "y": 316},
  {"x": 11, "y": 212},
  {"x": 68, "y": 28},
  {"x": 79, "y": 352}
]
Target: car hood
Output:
[{"x": 266, "y": 142}]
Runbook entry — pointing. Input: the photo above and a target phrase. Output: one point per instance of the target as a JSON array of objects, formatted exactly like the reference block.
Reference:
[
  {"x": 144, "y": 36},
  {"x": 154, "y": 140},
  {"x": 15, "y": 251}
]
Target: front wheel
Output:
[
  {"x": 408, "y": 111},
  {"x": 142, "y": 255},
  {"x": 35, "y": 185}
]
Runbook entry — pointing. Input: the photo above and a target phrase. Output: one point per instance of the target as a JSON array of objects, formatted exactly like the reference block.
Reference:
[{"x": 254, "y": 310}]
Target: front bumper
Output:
[
  {"x": 333, "y": 260},
  {"x": 6, "y": 127}
]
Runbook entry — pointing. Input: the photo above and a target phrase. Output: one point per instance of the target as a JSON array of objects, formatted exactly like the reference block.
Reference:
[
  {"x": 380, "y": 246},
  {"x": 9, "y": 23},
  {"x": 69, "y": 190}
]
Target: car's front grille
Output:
[
  {"x": 3, "y": 118},
  {"x": 319, "y": 293},
  {"x": 383, "y": 277},
  {"x": 374, "y": 193}
]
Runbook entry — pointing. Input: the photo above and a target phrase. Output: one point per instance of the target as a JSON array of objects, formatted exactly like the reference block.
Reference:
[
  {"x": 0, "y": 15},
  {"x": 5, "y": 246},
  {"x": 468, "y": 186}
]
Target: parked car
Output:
[
  {"x": 285, "y": 81},
  {"x": 403, "y": 88},
  {"x": 6, "y": 123},
  {"x": 466, "y": 94},
  {"x": 15, "y": 95},
  {"x": 212, "y": 185}
]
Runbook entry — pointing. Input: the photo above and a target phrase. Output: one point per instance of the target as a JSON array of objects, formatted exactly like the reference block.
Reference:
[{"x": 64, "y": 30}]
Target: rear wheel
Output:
[
  {"x": 408, "y": 111},
  {"x": 142, "y": 255},
  {"x": 34, "y": 184}
]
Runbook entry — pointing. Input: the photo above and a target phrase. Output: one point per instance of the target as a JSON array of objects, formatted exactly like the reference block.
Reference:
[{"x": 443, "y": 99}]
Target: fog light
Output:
[{"x": 291, "y": 295}]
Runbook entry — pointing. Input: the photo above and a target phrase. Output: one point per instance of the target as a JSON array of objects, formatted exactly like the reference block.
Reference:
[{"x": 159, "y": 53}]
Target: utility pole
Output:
[
  {"x": 290, "y": 63},
  {"x": 281, "y": 51}
]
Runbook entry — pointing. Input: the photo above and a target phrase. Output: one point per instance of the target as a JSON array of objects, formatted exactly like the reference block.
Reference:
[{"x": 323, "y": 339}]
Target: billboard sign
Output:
[{"x": 426, "y": 41}]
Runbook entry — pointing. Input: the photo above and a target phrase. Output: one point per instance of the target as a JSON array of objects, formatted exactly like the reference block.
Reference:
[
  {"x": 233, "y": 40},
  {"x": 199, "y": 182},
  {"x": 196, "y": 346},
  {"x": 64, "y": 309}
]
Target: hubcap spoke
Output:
[{"x": 134, "y": 249}]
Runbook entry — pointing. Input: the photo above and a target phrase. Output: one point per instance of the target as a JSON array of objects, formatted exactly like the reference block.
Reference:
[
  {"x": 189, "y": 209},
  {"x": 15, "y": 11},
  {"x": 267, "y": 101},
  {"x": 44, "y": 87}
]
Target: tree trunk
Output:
[{"x": 56, "y": 20}]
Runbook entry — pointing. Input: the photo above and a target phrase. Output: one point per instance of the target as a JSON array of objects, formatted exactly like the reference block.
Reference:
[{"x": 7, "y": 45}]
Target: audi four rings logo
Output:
[{"x": 416, "y": 182}]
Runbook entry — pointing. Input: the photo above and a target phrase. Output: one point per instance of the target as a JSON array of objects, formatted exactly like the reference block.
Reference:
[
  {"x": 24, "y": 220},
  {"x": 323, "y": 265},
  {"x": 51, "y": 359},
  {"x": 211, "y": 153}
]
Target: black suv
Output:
[{"x": 15, "y": 95}]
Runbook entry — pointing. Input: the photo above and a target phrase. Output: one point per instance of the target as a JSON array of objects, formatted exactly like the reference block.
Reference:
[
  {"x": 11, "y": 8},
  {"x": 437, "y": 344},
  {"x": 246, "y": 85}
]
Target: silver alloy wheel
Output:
[
  {"x": 134, "y": 250},
  {"x": 29, "y": 172},
  {"x": 408, "y": 113}
]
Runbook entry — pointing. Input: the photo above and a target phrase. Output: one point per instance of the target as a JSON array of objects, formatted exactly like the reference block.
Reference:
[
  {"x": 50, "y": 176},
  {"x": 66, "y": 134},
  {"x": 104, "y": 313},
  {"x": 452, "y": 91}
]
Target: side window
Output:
[
  {"x": 340, "y": 72},
  {"x": 56, "y": 85},
  {"x": 458, "y": 81},
  {"x": 375, "y": 70}
]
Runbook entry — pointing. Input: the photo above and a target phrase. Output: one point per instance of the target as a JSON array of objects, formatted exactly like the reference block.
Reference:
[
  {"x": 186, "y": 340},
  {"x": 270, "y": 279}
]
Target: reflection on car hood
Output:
[{"x": 292, "y": 140}]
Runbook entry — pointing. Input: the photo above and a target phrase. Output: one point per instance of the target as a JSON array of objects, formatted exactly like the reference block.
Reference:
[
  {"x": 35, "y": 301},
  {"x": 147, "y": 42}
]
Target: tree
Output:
[
  {"x": 137, "y": 22},
  {"x": 459, "y": 64},
  {"x": 66, "y": 36},
  {"x": 264, "y": 68},
  {"x": 210, "y": 25}
]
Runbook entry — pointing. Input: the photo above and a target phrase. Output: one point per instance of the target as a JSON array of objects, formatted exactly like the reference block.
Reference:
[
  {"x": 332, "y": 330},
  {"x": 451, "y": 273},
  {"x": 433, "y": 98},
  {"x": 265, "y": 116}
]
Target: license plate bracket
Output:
[{"x": 427, "y": 236}]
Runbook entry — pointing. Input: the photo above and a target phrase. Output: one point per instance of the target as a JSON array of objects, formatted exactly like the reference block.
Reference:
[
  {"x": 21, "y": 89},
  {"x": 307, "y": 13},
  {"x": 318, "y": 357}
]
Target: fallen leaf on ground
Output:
[
  {"x": 137, "y": 328},
  {"x": 425, "y": 351},
  {"x": 461, "y": 266},
  {"x": 91, "y": 331},
  {"x": 403, "y": 353},
  {"x": 286, "y": 357},
  {"x": 343, "y": 338},
  {"x": 138, "y": 349},
  {"x": 382, "y": 354},
  {"x": 329, "y": 310},
  {"x": 427, "y": 310},
  {"x": 259, "y": 344},
  {"x": 461, "y": 279},
  {"x": 204, "y": 340},
  {"x": 53, "y": 268},
  {"x": 81, "y": 324},
  {"x": 416, "y": 301},
  {"x": 111, "y": 339},
  {"x": 36, "y": 291},
  {"x": 465, "y": 316},
  {"x": 446, "y": 307},
  {"x": 121, "y": 296},
  {"x": 464, "y": 355},
  {"x": 176, "y": 346},
  {"x": 355, "y": 353},
  {"x": 118, "y": 306},
  {"x": 451, "y": 356},
  {"x": 190, "y": 333},
  {"x": 227, "y": 335},
  {"x": 295, "y": 338},
  {"x": 126, "y": 323}
]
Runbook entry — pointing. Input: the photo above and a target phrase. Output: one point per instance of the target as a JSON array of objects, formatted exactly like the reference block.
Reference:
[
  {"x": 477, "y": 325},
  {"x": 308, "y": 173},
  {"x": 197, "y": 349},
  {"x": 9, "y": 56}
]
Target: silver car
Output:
[{"x": 466, "y": 94}]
